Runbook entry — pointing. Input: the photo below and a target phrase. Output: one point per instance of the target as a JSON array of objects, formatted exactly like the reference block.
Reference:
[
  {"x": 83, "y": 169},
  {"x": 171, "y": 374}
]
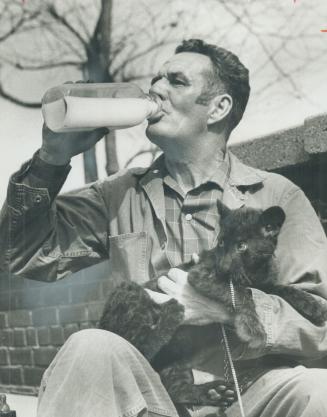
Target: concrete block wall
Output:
[{"x": 36, "y": 318}]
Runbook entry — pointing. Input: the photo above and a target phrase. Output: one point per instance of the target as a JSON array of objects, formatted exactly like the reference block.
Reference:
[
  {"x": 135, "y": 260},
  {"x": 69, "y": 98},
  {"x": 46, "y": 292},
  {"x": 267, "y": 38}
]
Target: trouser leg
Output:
[
  {"x": 97, "y": 373},
  {"x": 286, "y": 392}
]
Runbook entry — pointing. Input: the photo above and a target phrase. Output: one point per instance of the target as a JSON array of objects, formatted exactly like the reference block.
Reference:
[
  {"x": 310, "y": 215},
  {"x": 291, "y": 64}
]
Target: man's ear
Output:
[
  {"x": 272, "y": 220},
  {"x": 220, "y": 108}
]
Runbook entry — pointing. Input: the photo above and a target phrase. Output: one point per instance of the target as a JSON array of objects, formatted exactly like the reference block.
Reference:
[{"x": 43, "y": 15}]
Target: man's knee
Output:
[
  {"x": 97, "y": 341},
  {"x": 306, "y": 392},
  {"x": 311, "y": 383}
]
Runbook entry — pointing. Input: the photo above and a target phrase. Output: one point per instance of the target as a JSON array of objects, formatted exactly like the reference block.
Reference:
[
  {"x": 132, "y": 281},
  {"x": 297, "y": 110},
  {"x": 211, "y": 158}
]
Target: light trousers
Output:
[{"x": 98, "y": 374}]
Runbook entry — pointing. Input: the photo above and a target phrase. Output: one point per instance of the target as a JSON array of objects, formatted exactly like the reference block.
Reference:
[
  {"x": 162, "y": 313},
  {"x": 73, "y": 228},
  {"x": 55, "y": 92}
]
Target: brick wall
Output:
[{"x": 36, "y": 318}]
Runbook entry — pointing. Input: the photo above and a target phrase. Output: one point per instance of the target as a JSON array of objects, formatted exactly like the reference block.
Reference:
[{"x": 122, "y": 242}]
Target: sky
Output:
[{"x": 285, "y": 91}]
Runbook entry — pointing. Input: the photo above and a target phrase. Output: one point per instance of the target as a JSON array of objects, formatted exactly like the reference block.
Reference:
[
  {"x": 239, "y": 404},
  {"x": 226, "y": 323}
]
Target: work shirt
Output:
[
  {"x": 192, "y": 218},
  {"x": 123, "y": 218}
]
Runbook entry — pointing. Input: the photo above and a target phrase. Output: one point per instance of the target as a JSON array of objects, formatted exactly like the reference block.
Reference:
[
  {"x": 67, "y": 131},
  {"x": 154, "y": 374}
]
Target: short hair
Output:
[{"x": 228, "y": 69}]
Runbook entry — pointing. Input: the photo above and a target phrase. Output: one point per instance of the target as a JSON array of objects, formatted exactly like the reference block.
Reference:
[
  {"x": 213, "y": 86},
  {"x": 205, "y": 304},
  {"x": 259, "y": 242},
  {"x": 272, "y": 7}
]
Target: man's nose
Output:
[{"x": 159, "y": 88}]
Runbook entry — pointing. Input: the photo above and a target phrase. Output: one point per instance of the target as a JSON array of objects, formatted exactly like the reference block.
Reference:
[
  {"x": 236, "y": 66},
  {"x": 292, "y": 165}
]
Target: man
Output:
[{"x": 149, "y": 221}]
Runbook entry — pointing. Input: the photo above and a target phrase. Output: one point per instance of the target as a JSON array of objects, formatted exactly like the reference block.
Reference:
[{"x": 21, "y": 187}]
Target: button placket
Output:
[{"x": 37, "y": 199}]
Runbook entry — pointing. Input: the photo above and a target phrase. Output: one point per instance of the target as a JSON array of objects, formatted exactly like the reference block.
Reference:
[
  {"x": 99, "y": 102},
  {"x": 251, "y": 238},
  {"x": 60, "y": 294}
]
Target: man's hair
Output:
[{"x": 228, "y": 70}]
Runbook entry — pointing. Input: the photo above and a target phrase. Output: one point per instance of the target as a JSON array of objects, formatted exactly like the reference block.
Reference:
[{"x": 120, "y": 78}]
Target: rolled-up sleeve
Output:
[{"x": 302, "y": 259}]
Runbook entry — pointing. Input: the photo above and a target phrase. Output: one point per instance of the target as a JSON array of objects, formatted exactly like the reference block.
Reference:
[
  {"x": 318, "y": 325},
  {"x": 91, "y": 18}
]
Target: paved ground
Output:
[{"x": 24, "y": 405}]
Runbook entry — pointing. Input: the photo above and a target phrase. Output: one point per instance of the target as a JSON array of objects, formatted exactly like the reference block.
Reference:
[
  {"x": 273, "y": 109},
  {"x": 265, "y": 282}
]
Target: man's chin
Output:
[{"x": 153, "y": 131}]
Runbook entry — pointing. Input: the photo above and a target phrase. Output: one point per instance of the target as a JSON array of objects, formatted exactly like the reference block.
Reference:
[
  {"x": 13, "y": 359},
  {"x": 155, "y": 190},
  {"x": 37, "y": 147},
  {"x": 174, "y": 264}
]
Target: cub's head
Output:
[{"x": 247, "y": 241}]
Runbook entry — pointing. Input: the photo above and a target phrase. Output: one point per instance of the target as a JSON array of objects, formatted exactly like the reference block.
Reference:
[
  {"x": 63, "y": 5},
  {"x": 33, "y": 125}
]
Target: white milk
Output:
[{"x": 86, "y": 113}]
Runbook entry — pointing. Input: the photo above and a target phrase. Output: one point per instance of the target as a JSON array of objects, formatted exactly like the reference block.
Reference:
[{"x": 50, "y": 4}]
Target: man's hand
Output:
[
  {"x": 199, "y": 310},
  {"x": 59, "y": 148}
]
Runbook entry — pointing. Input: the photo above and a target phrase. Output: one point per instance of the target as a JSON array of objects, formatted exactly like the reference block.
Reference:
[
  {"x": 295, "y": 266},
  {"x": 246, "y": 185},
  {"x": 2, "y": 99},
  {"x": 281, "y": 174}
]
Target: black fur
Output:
[{"x": 245, "y": 255}]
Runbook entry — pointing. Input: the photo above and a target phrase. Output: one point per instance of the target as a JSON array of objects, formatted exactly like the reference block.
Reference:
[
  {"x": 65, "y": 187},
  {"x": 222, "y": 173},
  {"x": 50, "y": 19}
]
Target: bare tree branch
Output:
[
  {"x": 38, "y": 67},
  {"x": 18, "y": 25},
  {"x": 62, "y": 20},
  {"x": 7, "y": 96}
]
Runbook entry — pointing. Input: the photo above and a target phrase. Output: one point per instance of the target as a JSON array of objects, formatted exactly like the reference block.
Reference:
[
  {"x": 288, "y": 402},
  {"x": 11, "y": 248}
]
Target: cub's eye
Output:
[
  {"x": 242, "y": 247},
  {"x": 221, "y": 243}
]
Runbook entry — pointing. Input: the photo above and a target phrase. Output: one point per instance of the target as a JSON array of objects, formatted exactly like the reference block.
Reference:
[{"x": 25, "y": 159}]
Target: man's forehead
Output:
[{"x": 188, "y": 63}]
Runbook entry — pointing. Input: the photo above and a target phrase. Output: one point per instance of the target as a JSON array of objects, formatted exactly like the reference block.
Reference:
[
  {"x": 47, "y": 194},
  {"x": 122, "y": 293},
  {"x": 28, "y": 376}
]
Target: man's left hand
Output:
[{"x": 199, "y": 310}]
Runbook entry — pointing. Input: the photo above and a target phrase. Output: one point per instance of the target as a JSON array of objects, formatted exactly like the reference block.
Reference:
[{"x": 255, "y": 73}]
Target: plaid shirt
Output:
[{"x": 192, "y": 218}]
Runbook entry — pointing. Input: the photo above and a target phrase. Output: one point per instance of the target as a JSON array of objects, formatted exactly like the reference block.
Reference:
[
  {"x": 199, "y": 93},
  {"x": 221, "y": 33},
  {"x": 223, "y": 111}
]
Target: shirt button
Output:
[
  {"x": 188, "y": 217},
  {"x": 155, "y": 171},
  {"x": 37, "y": 199}
]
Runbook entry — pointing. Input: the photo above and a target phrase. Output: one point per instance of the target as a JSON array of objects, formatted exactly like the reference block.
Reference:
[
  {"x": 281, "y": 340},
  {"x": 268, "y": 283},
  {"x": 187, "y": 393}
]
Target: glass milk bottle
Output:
[{"x": 87, "y": 106}]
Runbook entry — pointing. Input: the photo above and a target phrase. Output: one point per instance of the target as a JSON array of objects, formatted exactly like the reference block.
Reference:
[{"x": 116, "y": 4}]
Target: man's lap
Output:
[
  {"x": 286, "y": 392},
  {"x": 280, "y": 393}
]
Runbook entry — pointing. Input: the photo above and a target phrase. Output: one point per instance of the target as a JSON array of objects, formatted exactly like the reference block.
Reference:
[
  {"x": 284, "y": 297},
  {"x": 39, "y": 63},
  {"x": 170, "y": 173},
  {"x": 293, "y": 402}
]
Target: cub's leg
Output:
[
  {"x": 132, "y": 314},
  {"x": 179, "y": 383},
  {"x": 303, "y": 302}
]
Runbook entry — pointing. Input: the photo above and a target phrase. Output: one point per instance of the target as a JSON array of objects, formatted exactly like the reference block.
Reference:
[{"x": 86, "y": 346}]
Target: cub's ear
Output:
[
  {"x": 272, "y": 220},
  {"x": 222, "y": 209}
]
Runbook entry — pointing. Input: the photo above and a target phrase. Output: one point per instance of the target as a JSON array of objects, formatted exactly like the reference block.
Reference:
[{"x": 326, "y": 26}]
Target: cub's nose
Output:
[{"x": 225, "y": 263}]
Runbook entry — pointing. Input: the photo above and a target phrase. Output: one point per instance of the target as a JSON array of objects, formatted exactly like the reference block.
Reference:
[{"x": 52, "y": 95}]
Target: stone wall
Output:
[{"x": 36, "y": 318}]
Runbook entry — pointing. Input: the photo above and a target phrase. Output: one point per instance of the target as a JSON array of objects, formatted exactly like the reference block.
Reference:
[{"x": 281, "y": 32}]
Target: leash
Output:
[{"x": 229, "y": 355}]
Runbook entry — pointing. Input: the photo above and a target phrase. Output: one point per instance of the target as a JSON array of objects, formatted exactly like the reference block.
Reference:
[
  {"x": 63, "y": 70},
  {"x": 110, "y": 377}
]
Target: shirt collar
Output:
[
  {"x": 219, "y": 176},
  {"x": 231, "y": 169},
  {"x": 244, "y": 175}
]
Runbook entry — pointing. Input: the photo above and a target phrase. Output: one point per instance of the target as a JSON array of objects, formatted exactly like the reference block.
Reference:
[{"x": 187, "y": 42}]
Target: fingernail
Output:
[{"x": 214, "y": 394}]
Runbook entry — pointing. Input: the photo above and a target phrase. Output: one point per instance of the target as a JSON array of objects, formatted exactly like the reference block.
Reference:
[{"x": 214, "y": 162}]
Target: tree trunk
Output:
[
  {"x": 111, "y": 153},
  {"x": 90, "y": 166},
  {"x": 97, "y": 70}
]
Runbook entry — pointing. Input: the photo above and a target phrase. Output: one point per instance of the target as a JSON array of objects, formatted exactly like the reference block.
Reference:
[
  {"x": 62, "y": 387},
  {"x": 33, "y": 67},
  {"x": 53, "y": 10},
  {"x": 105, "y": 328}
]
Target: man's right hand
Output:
[{"x": 59, "y": 148}]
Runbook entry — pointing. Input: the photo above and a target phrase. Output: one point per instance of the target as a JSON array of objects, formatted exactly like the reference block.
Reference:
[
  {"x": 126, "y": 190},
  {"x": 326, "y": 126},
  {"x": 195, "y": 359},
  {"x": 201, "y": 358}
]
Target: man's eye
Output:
[
  {"x": 177, "y": 82},
  {"x": 242, "y": 247}
]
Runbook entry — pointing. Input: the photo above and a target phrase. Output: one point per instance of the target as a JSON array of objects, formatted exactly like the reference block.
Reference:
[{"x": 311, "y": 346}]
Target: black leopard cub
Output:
[{"x": 244, "y": 255}]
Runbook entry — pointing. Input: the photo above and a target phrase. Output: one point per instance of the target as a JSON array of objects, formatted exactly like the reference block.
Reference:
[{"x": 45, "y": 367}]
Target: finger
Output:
[
  {"x": 195, "y": 258},
  {"x": 168, "y": 286},
  {"x": 178, "y": 275},
  {"x": 158, "y": 297},
  {"x": 95, "y": 136},
  {"x": 213, "y": 394},
  {"x": 101, "y": 131},
  {"x": 229, "y": 393}
]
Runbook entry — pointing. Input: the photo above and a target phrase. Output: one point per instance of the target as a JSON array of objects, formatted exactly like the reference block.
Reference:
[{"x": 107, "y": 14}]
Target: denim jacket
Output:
[{"x": 122, "y": 217}]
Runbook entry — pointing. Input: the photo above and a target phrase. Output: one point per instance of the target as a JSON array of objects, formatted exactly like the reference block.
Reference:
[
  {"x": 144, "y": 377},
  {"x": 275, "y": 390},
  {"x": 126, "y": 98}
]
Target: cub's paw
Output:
[
  {"x": 314, "y": 312},
  {"x": 217, "y": 393},
  {"x": 171, "y": 315},
  {"x": 250, "y": 330}
]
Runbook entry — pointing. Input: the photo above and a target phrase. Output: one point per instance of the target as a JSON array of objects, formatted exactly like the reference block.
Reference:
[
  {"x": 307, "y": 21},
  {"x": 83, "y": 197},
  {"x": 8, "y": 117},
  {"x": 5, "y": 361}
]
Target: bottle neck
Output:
[{"x": 155, "y": 105}]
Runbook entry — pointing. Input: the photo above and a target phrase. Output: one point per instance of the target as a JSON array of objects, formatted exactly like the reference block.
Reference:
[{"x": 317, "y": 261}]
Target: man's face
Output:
[{"x": 179, "y": 83}]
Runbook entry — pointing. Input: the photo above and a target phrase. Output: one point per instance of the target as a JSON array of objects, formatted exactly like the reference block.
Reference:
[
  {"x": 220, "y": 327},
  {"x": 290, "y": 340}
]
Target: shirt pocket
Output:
[{"x": 128, "y": 254}]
